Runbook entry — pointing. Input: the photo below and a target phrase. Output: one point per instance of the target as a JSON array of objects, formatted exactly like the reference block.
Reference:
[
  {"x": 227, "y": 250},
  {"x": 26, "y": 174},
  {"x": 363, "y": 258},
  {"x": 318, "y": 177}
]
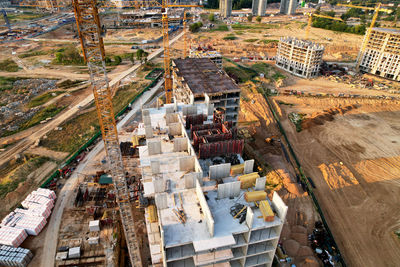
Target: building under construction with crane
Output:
[
  {"x": 205, "y": 209},
  {"x": 382, "y": 53},
  {"x": 300, "y": 57},
  {"x": 197, "y": 80}
]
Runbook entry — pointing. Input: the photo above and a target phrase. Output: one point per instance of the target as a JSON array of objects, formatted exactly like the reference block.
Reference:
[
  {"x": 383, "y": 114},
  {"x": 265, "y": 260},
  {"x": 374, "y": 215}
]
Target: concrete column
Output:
[
  {"x": 155, "y": 166},
  {"x": 148, "y": 131}
]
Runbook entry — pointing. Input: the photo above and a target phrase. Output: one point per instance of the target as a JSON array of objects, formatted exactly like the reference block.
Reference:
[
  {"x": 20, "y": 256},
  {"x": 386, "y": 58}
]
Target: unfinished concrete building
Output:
[
  {"x": 288, "y": 7},
  {"x": 197, "y": 80},
  {"x": 147, "y": 18},
  {"x": 382, "y": 54},
  {"x": 207, "y": 52},
  {"x": 299, "y": 57},
  {"x": 202, "y": 215},
  {"x": 225, "y": 8},
  {"x": 259, "y": 7}
]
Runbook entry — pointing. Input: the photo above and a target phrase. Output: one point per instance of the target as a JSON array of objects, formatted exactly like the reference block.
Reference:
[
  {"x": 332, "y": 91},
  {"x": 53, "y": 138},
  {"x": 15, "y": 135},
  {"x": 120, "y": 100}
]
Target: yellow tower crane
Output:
[
  {"x": 184, "y": 36},
  {"x": 90, "y": 33},
  {"x": 376, "y": 10},
  {"x": 311, "y": 15},
  {"x": 167, "y": 58}
]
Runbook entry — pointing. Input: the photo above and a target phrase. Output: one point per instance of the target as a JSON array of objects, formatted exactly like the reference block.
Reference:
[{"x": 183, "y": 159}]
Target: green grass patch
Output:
[
  {"x": 8, "y": 65},
  {"x": 43, "y": 98},
  {"x": 261, "y": 67},
  {"x": 251, "y": 40},
  {"x": 230, "y": 37},
  {"x": 220, "y": 28},
  {"x": 240, "y": 75},
  {"x": 79, "y": 130},
  {"x": 68, "y": 83},
  {"x": 47, "y": 112},
  {"x": 268, "y": 41},
  {"x": 278, "y": 76},
  {"x": 6, "y": 83},
  {"x": 33, "y": 54},
  {"x": 20, "y": 175},
  {"x": 14, "y": 17}
]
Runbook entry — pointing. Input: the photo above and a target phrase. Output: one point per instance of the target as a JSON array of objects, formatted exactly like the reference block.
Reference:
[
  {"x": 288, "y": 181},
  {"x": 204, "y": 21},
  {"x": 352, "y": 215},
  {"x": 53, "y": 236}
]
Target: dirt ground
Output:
[
  {"x": 256, "y": 117},
  {"x": 354, "y": 162}
]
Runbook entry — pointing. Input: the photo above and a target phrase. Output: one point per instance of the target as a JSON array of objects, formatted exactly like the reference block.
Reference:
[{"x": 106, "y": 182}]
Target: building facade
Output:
[
  {"x": 225, "y": 8},
  {"x": 259, "y": 7},
  {"x": 288, "y": 7},
  {"x": 382, "y": 54},
  {"x": 199, "y": 80},
  {"x": 299, "y": 57}
]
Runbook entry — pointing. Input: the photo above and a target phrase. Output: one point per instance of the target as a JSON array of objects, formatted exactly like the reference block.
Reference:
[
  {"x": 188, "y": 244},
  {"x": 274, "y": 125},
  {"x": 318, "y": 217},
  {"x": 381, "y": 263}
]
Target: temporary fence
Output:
[{"x": 94, "y": 138}]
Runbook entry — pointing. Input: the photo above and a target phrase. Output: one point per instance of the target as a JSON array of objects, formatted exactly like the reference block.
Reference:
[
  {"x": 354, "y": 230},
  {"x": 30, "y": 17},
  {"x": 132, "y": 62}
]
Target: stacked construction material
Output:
[
  {"x": 237, "y": 169},
  {"x": 248, "y": 180},
  {"x": 12, "y": 236},
  {"x": 10, "y": 256},
  {"x": 255, "y": 196},
  {"x": 266, "y": 211},
  {"x": 18, "y": 224},
  {"x": 33, "y": 199},
  {"x": 33, "y": 225}
]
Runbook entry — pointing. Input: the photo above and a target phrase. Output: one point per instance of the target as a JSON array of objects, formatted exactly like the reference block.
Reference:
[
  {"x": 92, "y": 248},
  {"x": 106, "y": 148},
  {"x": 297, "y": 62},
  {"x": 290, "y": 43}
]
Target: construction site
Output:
[{"x": 161, "y": 133}]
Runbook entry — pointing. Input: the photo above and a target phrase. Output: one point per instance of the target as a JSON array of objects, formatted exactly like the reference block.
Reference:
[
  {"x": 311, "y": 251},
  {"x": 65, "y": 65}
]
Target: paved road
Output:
[
  {"x": 27, "y": 142},
  {"x": 65, "y": 197}
]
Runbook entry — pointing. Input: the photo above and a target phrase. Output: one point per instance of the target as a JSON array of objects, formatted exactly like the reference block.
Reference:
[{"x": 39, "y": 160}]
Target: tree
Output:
[
  {"x": 258, "y": 19},
  {"x": 211, "y": 17},
  {"x": 195, "y": 26},
  {"x": 139, "y": 54},
  {"x": 132, "y": 58},
  {"x": 117, "y": 60},
  {"x": 250, "y": 17}
]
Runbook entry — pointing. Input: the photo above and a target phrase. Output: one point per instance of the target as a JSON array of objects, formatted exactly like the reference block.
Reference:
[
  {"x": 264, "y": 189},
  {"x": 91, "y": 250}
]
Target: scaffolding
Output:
[{"x": 90, "y": 35}]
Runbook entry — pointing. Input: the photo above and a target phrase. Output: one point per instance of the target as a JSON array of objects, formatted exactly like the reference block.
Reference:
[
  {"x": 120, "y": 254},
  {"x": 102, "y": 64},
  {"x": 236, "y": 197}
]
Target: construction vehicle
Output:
[
  {"x": 376, "y": 10},
  {"x": 311, "y": 15}
]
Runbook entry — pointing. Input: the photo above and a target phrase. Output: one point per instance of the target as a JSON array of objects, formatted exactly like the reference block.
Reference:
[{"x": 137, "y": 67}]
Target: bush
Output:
[
  {"x": 33, "y": 54},
  {"x": 195, "y": 26},
  {"x": 211, "y": 17},
  {"x": 221, "y": 28},
  {"x": 250, "y": 17},
  {"x": 258, "y": 19},
  {"x": 8, "y": 65},
  {"x": 69, "y": 56}
]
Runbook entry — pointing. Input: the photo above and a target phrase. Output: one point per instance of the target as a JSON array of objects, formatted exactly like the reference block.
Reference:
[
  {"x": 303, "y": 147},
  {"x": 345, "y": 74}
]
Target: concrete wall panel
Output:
[
  {"x": 175, "y": 128},
  {"x": 155, "y": 166},
  {"x": 186, "y": 163},
  {"x": 148, "y": 131},
  {"x": 171, "y": 118},
  {"x": 220, "y": 171},
  {"x": 147, "y": 120},
  {"x": 159, "y": 184},
  {"x": 180, "y": 144},
  {"x": 161, "y": 201},
  {"x": 154, "y": 147},
  {"x": 206, "y": 210},
  {"x": 249, "y": 217},
  {"x": 260, "y": 183},
  {"x": 248, "y": 166},
  {"x": 229, "y": 190}
]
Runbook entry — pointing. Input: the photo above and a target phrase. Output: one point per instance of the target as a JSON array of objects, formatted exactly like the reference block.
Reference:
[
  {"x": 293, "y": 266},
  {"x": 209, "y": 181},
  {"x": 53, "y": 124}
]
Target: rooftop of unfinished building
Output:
[
  {"x": 301, "y": 43},
  {"x": 203, "y": 76},
  {"x": 387, "y": 30},
  {"x": 197, "y": 200}
]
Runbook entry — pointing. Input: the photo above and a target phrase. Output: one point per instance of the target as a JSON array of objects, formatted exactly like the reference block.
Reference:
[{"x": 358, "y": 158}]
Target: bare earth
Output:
[{"x": 354, "y": 161}]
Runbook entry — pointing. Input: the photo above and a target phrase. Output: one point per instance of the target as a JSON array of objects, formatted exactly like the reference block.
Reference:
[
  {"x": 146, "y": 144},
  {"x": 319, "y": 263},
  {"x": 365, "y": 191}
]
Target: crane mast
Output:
[
  {"x": 90, "y": 35},
  {"x": 167, "y": 66}
]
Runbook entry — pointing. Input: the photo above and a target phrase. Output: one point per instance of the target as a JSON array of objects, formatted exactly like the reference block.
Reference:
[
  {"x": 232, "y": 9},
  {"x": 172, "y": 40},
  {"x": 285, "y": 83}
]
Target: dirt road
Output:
[
  {"x": 354, "y": 161},
  {"x": 66, "y": 194}
]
